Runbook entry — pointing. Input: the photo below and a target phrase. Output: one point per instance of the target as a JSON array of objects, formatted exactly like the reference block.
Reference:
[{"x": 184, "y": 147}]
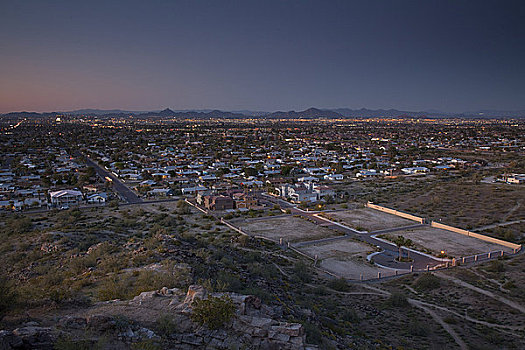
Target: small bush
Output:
[
  {"x": 339, "y": 284},
  {"x": 302, "y": 272},
  {"x": 68, "y": 343},
  {"x": 111, "y": 289},
  {"x": 213, "y": 312},
  {"x": 509, "y": 285},
  {"x": 496, "y": 266},
  {"x": 450, "y": 320},
  {"x": 313, "y": 334},
  {"x": 350, "y": 316},
  {"x": 416, "y": 328},
  {"x": 427, "y": 282},
  {"x": 167, "y": 325},
  {"x": 7, "y": 294},
  {"x": 147, "y": 344},
  {"x": 397, "y": 300}
]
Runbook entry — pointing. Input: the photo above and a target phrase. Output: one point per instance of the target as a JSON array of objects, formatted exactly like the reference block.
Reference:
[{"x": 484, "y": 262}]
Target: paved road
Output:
[
  {"x": 123, "y": 190},
  {"x": 389, "y": 250}
]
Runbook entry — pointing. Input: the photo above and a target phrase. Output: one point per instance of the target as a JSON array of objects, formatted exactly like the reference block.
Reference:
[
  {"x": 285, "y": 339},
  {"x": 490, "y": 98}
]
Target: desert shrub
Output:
[
  {"x": 495, "y": 266},
  {"x": 417, "y": 328},
  {"x": 397, "y": 299},
  {"x": 113, "y": 264},
  {"x": 68, "y": 343},
  {"x": 244, "y": 241},
  {"x": 7, "y": 294},
  {"x": 228, "y": 282},
  {"x": 350, "y": 316},
  {"x": 261, "y": 293},
  {"x": 166, "y": 325},
  {"x": 112, "y": 288},
  {"x": 302, "y": 272},
  {"x": 427, "y": 282},
  {"x": 339, "y": 284},
  {"x": 147, "y": 344},
  {"x": 313, "y": 334},
  {"x": 16, "y": 225},
  {"x": 450, "y": 320},
  {"x": 153, "y": 280},
  {"x": 509, "y": 285},
  {"x": 213, "y": 312},
  {"x": 80, "y": 264}
]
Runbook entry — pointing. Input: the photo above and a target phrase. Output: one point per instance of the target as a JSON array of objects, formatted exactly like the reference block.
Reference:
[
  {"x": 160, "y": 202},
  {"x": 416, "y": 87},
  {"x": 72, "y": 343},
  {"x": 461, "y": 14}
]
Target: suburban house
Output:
[
  {"x": 334, "y": 177},
  {"x": 243, "y": 200},
  {"x": 415, "y": 170},
  {"x": 65, "y": 197},
  {"x": 161, "y": 192},
  {"x": 298, "y": 193},
  {"x": 193, "y": 190},
  {"x": 323, "y": 191},
  {"x": 516, "y": 179},
  {"x": 97, "y": 198},
  {"x": 218, "y": 202},
  {"x": 368, "y": 173}
]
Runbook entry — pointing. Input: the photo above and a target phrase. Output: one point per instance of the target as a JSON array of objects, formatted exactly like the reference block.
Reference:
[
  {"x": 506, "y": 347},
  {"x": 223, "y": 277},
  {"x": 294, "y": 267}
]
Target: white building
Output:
[
  {"x": 415, "y": 170},
  {"x": 65, "y": 197},
  {"x": 334, "y": 177}
]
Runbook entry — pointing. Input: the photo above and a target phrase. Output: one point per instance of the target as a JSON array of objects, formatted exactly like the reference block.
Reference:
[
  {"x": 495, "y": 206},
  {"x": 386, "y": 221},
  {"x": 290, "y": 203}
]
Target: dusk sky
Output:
[{"x": 262, "y": 55}]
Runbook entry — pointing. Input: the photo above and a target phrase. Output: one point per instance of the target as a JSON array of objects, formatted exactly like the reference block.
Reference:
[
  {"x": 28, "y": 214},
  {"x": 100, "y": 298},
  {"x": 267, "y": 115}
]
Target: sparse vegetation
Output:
[
  {"x": 427, "y": 282},
  {"x": 213, "y": 312}
]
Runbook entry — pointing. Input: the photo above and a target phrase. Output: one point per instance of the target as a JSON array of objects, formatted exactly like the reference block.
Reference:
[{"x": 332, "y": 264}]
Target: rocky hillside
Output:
[{"x": 123, "y": 324}]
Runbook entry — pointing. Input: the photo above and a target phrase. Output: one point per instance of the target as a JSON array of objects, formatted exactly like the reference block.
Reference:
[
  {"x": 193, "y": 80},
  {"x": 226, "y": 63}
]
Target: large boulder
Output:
[{"x": 195, "y": 292}]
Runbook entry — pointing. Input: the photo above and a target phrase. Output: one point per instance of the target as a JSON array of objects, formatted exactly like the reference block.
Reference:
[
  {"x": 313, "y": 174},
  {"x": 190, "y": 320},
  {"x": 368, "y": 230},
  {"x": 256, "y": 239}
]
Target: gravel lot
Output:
[{"x": 369, "y": 219}]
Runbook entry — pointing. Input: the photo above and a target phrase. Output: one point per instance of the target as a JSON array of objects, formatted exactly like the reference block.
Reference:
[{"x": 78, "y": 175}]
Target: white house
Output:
[
  {"x": 334, "y": 177},
  {"x": 65, "y": 197},
  {"x": 97, "y": 198},
  {"x": 193, "y": 190},
  {"x": 415, "y": 170}
]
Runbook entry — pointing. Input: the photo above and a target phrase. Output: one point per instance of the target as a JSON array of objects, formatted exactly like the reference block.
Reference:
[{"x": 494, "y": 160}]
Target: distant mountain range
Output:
[{"x": 306, "y": 114}]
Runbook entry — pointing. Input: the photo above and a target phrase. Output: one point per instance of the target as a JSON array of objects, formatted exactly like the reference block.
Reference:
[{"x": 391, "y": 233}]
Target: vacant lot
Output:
[
  {"x": 460, "y": 204},
  {"x": 369, "y": 219},
  {"x": 289, "y": 228},
  {"x": 454, "y": 244},
  {"x": 346, "y": 258},
  {"x": 339, "y": 249},
  {"x": 353, "y": 269}
]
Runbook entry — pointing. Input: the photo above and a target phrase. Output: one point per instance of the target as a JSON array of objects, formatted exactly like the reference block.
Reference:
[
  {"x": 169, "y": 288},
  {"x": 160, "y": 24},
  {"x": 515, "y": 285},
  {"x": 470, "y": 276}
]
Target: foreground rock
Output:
[{"x": 163, "y": 318}]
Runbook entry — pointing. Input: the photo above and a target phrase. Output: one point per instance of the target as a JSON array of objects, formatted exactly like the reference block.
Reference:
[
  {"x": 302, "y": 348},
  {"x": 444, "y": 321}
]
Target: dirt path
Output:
[
  {"x": 506, "y": 223},
  {"x": 432, "y": 314},
  {"x": 499, "y": 298},
  {"x": 511, "y": 211},
  {"x": 442, "y": 323}
]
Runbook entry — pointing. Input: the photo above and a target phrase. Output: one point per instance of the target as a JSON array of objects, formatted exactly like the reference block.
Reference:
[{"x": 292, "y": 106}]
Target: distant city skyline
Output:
[{"x": 265, "y": 56}]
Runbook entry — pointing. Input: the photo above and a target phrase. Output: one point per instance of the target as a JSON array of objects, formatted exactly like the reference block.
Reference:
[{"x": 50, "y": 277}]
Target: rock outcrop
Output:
[{"x": 255, "y": 325}]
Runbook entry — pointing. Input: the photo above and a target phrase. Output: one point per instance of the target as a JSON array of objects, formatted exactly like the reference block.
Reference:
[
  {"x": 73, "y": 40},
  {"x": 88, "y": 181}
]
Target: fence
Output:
[
  {"x": 396, "y": 212},
  {"x": 515, "y": 247},
  {"x": 197, "y": 207}
]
